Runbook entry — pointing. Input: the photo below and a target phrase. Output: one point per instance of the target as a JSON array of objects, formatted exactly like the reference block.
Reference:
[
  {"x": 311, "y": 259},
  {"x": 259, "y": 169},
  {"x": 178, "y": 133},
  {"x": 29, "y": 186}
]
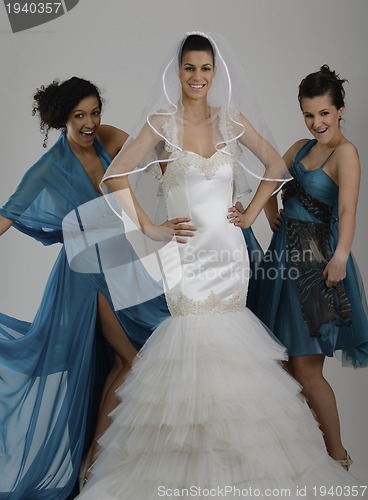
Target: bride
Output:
[{"x": 207, "y": 408}]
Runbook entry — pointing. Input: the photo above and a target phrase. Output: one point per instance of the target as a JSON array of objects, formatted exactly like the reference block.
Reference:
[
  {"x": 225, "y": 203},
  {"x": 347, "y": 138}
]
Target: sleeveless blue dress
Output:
[
  {"x": 50, "y": 368},
  {"x": 307, "y": 317}
]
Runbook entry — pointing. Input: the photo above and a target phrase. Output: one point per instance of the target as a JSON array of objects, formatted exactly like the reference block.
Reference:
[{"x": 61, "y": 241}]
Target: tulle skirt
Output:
[{"x": 207, "y": 409}]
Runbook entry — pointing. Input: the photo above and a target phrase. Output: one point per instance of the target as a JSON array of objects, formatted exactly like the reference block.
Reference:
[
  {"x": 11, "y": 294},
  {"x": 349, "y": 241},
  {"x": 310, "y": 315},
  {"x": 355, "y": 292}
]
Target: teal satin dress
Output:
[{"x": 294, "y": 310}]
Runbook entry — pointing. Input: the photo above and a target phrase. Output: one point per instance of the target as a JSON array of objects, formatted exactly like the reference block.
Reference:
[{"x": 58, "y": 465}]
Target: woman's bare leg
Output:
[
  {"x": 125, "y": 353},
  {"x": 308, "y": 371}
]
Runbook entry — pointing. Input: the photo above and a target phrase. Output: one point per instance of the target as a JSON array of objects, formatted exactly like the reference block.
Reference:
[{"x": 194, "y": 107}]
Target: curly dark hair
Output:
[
  {"x": 55, "y": 102},
  {"x": 322, "y": 82}
]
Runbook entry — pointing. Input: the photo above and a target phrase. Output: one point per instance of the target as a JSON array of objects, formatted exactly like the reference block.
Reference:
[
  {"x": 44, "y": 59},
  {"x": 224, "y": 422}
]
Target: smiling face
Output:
[
  {"x": 196, "y": 74},
  {"x": 322, "y": 118},
  {"x": 83, "y": 122}
]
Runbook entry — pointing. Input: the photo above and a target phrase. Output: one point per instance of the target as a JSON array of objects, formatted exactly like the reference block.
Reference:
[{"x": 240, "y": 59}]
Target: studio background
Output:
[{"x": 120, "y": 46}]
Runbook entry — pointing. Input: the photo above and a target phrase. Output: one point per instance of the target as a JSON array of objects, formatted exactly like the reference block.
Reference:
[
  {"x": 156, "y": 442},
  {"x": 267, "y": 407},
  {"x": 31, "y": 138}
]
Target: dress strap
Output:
[
  {"x": 326, "y": 160},
  {"x": 304, "y": 150}
]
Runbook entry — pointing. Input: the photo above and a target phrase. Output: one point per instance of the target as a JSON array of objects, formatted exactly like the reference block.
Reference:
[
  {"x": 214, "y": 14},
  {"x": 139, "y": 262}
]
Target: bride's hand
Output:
[
  {"x": 158, "y": 233},
  {"x": 180, "y": 229},
  {"x": 239, "y": 219},
  {"x": 174, "y": 228}
]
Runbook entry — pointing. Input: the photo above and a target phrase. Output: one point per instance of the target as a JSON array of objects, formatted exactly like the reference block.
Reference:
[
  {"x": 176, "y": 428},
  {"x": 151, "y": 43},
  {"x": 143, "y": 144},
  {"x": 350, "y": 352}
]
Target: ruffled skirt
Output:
[{"x": 207, "y": 409}]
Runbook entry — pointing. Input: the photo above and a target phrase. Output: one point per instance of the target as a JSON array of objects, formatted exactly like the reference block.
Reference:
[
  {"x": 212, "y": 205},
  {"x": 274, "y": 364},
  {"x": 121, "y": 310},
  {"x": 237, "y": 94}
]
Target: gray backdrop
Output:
[{"x": 120, "y": 45}]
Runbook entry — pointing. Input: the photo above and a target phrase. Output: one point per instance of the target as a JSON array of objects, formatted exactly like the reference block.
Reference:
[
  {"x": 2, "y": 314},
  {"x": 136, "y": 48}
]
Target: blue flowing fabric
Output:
[
  {"x": 278, "y": 304},
  {"x": 48, "y": 367}
]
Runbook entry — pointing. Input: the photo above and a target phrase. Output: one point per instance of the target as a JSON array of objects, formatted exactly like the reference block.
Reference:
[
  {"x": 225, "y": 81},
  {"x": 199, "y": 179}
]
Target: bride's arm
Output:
[
  {"x": 116, "y": 178},
  {"x": 117, "y": 182},
  {"x": 275, "y": 169}
]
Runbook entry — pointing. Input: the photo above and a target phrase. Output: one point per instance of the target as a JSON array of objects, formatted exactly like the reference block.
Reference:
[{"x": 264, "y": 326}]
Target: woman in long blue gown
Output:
[
  {"x": 48, "y": 367},
  {"x": 310, "y": 291}
]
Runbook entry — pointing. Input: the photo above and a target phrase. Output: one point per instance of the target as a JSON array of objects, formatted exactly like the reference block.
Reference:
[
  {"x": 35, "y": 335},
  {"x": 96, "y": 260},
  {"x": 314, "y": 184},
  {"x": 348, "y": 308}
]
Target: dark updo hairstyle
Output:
[
  {"x": 197, "y": 43},
  {"x": 323, "y": 82},
  {"x": 55, "y": 102}
]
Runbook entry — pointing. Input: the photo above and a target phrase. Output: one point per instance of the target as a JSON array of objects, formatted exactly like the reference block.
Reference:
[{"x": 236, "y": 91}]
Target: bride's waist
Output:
[{"x": 218, "y": 247}]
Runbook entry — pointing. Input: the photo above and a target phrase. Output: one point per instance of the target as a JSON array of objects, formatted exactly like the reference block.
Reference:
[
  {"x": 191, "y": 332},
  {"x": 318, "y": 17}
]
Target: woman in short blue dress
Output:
[{"x": 310, "y": 293}]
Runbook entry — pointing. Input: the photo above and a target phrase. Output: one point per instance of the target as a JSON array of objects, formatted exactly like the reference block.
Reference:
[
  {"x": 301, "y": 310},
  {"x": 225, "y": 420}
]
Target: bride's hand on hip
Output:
[
  {"x": 239, "y": 219},
  {"x": 180, "y": 228}
]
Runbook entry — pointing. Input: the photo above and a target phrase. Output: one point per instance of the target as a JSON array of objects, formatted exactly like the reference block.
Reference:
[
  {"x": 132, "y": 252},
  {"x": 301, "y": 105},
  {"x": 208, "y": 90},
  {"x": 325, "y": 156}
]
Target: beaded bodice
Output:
[{"x": 213, "y": 261}]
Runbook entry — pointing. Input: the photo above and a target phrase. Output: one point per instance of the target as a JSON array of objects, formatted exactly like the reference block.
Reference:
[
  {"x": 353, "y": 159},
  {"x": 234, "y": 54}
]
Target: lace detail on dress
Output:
[
  {"x": 213, "y": 304},
  {"x": 170, "y": 132},
  {"x": 226, "y": 127},
  {"x": 208, "y": 166},
  {"x": 154, "y": 170}
]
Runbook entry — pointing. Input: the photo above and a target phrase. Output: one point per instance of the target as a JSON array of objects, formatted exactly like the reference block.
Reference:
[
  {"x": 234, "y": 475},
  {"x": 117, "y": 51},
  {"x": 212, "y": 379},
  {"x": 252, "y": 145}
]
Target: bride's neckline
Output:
[
  {"x": 186, "y": 151},
  {"x": 201, "y": 160}
]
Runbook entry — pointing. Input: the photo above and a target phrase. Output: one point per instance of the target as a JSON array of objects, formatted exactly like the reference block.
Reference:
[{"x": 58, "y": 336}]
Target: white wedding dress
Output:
[{"x": 207, "y": 408}]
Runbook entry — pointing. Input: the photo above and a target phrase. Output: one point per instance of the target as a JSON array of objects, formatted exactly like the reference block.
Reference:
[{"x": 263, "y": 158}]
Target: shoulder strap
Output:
[{"x": 326, "y": 160}]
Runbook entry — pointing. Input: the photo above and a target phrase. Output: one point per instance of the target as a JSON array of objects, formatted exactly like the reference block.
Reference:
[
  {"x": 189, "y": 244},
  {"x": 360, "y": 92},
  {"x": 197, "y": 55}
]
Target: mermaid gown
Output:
[
  {"x": 50, "y": 368},
  {"x": 207, "y": 403},
  {"x": 288, "y": 311}
]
